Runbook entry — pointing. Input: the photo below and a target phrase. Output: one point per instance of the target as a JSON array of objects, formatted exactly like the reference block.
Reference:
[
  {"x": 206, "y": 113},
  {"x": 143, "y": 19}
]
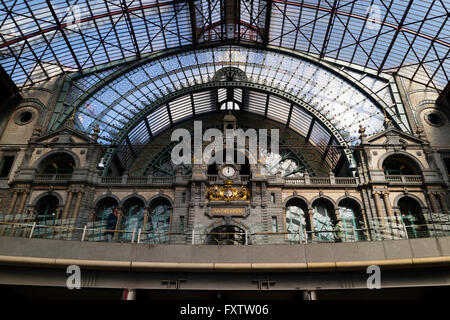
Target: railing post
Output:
[
  {"x": 193, "y": 236},
  {"x": 84, "y": 233},
  {"x": 139, "y": 235},
  {"x": 32, "y": 230},
  {"x": 406, "y": 231},
  {"x": 133, "y": 235},
  {"x": 246, "y": 237}
]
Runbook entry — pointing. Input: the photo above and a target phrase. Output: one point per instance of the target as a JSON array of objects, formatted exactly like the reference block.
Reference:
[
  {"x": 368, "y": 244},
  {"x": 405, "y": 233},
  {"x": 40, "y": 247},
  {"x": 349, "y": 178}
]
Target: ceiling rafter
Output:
[
  {"x": 38, "y": 44},
  {"x": 394, "y": 38}
]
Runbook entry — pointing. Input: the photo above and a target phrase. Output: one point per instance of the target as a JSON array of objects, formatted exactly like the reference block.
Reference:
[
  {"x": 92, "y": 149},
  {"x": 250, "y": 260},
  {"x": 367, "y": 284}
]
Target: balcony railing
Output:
[
  {"x": 44, "y": 177},
  {"x": 401, "y": 179},
  {"x": 393, "y": 179},
  {"x": 320, "y": 180},
  {"x": 138, "y": 180},
  {"x": 389, "y": 228}
]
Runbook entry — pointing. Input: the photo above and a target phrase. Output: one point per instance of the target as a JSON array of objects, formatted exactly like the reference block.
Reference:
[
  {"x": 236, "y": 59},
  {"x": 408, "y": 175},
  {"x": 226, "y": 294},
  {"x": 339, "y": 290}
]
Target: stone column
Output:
[
  {"x": 434, "y": 207},
  {"x": 380, "y": 226},
  {"x": 378, "y": 208},
  {"x": 441, "y": 197},
  {"x": 387, "y": 204},
  {"x": 13, "y": 202},
  {"x": 22, "y": 202},
  {"x": 366, "y": 224},
  {"x": 77, "y": 205},
  {"x": 311, "y": 222},
  {"x": 146, "y": 215},
  {"x": 68, "y": 204},
  {"x": 119, "y": 221}
]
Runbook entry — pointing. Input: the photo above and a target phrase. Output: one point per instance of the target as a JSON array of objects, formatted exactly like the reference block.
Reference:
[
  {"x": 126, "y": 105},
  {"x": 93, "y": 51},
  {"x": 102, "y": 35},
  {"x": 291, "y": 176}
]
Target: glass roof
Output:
[
  {"x": 330, "y": 97},
  {"x": 41, "y": 39}
]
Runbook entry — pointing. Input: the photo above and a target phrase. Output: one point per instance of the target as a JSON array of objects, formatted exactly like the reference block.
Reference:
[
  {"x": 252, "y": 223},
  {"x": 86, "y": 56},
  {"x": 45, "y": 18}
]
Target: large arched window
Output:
[
  {"x": 297, "y": 223},
  {"x": 133, "y": 217},
  {"x": 104, "y": 216},
  {"x": 352, "y": 222},
  {"x": 158, "y": 224},
  {"x": 60, "y": 163},
  {"x": 46, "y": 209},
  {"x": 400, "y": 165},
  {"x": 323, "y": 219},
  {"x": 412, "y": 217}
]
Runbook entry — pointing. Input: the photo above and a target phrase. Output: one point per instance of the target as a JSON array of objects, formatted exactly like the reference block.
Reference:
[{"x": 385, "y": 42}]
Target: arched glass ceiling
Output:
[
  {"x": 329, "y": 97},
  {"x": 260, "y": 103},
  {"x": 40, "y": 39}
]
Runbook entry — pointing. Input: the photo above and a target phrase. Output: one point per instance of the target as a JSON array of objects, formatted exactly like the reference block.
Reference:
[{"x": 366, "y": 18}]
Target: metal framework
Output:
[
  {"x": 41, "y": 39},
  {"x": 136, "y": 101}
]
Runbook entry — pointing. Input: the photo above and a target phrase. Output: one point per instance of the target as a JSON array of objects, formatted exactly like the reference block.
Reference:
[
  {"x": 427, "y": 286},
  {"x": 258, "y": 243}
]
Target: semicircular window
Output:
[{"x": 286, "y": 163}]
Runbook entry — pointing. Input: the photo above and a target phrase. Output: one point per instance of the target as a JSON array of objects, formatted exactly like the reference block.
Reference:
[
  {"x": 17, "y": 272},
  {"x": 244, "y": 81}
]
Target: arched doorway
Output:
[
  {"x": 298, "y": 225},
  {"x": 323, "y": 220},
  {"x": 133, "y": 218},
  {"x": 226, "y": 235},
  {"x": 412, "y": 217},
  {"x": 351, "y": 221},
  {"x": 46, "y": 209}
]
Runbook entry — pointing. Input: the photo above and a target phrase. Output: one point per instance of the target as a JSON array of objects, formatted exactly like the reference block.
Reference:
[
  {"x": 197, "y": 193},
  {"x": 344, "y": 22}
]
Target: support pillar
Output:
[
  {"x": 129, "y": 294},
  {"x": 381, "y": 225},
  {"x": 77, "y": 205},
  {"x": 13, "y": 202},
  {"x": 311, "y": 222},
  {"x": 378, "y": 208},
  {"x": 22, "y": 202},
  {"x": 442, "y": 202},
  {"x": 366, "y": 224},
  {"x": 434, "y": 206},
  {"x": 68, "y": 204},
  {"x": 387, "y": 204},
  {"x": 119, "y": 221},
  {"x": 309, "y": 295}
]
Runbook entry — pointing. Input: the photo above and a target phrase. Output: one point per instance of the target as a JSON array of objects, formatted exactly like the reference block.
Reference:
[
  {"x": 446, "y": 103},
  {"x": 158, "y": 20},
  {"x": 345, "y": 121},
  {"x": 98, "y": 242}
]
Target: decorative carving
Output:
[{"x": 227, "y": 192}]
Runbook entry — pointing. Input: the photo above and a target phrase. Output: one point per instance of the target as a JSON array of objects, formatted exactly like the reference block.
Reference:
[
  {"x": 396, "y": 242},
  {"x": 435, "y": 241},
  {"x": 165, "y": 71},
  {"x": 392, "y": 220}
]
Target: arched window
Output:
[
  {"x": 46, "y": 209},
  {"x": 133, "y": 217},
  {"x": 323, "y": 219},
  {"x": 286, "y": 163},
  {"x": 297, "y": 223},
  {"x": 351, "y": 221},
  {"x": 226, "y": 235},
  {"x": 400, "y": 165},
  {"x": 104, "y": 219},
  {"x": 60, "y": 163},
  {"x": 412, "y": 217},
  {"x": 158, "y": 223}
]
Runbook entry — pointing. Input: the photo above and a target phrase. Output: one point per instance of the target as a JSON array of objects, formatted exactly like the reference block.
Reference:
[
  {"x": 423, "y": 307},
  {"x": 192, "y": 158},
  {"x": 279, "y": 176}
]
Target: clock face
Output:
[{"x": 228, "y": 171}]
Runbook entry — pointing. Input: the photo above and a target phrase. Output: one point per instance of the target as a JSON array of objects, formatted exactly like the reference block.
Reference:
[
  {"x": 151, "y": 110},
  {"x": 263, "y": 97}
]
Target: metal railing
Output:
[{"x": 391, "y": 228}]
